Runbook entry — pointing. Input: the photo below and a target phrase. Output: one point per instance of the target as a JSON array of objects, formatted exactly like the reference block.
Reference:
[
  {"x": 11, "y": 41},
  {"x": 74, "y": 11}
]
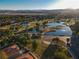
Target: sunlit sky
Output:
[{"x": 38, "y": 4}]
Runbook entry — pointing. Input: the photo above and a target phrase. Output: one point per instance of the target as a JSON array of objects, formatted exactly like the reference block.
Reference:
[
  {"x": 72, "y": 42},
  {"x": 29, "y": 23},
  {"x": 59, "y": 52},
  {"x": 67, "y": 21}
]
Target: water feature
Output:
[{"x": 65, "y": 31}]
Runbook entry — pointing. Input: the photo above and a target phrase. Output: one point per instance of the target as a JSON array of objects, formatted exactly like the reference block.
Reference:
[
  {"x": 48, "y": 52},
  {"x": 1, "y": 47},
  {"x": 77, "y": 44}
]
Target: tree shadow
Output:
[{"x": 49, "y": 52}]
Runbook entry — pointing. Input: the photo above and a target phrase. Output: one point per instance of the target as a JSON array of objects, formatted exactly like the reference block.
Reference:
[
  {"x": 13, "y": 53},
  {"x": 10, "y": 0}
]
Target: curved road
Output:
[{"x": 74, "y": 48}]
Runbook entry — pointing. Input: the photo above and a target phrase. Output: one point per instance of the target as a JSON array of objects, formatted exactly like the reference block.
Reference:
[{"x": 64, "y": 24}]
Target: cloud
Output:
[{"x": 63, "y": 4}]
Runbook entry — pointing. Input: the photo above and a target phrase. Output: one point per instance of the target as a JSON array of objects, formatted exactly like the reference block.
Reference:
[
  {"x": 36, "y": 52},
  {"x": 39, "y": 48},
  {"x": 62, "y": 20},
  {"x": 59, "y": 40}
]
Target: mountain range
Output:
[{"x": 72, "y": 12}]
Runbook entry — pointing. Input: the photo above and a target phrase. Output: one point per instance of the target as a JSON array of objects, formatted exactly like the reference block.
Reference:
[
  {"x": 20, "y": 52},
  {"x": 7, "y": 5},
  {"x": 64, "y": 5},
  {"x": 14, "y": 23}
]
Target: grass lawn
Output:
[
  {"x": 5, "y": 27},
  {"x": 45, "y": 51}
]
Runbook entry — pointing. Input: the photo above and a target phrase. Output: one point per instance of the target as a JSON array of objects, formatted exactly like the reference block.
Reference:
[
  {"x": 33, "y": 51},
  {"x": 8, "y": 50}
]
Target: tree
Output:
[
  {"x": 75, "y": 27},
  {"x": 55, "y": 41},
  {"x": 60, "y": 55},
  {"x": 22, "y": 40},
  {"x": 34, "y": 45}
]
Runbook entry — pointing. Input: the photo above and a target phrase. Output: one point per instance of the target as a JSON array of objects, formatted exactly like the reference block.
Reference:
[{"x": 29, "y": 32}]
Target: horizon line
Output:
[{"x": 43, "y": 9}]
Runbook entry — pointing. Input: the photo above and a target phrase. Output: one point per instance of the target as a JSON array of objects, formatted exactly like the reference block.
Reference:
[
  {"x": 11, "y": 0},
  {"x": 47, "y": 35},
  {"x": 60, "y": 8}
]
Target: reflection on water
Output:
[{"x": 65, "y": 31}]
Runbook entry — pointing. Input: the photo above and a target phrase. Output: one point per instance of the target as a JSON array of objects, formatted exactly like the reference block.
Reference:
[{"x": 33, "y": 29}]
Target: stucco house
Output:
[{"x": 13, "y": 51}]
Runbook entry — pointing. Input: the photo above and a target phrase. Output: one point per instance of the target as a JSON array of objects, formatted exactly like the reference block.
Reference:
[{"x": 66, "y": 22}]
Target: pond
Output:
[
  {"x": 65, "y": 31},
  {"x": 54, "y": 24}
]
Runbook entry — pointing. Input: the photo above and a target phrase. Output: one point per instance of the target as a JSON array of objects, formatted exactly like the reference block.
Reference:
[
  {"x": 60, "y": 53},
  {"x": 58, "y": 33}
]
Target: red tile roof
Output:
[
  {"x": 25, "y": 56},
  {"x": 13, "y": 51}
]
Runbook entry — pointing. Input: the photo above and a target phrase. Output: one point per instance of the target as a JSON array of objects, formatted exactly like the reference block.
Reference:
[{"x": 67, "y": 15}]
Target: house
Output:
[{"x": 14, "y": 51}]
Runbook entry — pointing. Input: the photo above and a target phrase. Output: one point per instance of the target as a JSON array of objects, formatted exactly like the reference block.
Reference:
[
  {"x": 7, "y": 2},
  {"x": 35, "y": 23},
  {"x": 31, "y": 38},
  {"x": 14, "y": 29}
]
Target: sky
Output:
[{"x": 38, "y": 4}]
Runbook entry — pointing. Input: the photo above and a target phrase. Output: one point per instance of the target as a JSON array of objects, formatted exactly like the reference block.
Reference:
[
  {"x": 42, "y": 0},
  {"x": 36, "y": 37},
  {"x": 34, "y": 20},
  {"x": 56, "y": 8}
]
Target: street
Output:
[{"x": 74, "y": 48}]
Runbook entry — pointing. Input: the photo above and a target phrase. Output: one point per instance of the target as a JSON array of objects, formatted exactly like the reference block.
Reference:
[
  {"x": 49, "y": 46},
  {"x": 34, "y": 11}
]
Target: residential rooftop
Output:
[{"x": 13, "y": 51}]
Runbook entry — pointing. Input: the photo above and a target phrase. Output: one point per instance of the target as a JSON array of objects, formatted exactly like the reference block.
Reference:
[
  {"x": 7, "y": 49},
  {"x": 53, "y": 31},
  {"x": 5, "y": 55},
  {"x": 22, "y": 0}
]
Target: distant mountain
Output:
[{"x": 72, "y": 12}]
